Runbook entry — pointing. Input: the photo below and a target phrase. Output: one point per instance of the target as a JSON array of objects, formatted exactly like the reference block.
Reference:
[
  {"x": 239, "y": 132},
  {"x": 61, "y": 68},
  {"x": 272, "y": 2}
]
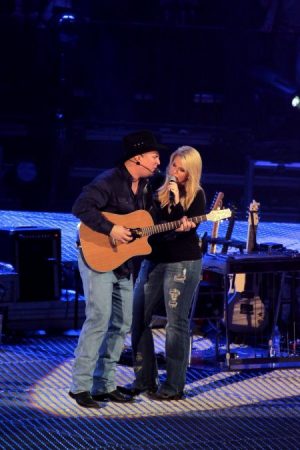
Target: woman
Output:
[{"x": 172, "y": 272}]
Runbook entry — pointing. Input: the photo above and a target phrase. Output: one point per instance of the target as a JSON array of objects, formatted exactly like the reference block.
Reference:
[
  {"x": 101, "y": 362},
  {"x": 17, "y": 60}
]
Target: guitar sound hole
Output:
[
  {"x": 136, "y": 233},
  {"x": 246, "y": 309}
]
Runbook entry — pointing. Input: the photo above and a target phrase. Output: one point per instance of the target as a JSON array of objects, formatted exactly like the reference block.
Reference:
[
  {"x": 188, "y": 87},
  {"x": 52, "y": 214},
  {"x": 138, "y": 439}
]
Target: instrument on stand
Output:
[
  {"x": 262, "y": 262},
  {"x": 217, "y": 205},
  {"x": 246, "y": 311}
]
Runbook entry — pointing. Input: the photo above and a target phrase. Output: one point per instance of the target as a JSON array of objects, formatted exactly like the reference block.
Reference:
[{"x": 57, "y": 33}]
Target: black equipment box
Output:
[
  {"x": 8, "y": 287},
  {"x": 35, "y": 254}
]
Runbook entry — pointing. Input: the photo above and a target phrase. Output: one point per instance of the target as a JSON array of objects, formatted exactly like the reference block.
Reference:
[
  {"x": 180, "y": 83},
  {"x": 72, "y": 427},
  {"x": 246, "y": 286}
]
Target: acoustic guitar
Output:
[
  {"x": 102, "y": 253},
  {"x": 246, "y": 311}
]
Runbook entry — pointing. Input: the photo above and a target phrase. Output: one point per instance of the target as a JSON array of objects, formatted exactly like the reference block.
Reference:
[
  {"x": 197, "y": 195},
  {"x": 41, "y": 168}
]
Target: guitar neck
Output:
[
  {"x": 168, "y": 226},
  {"x": 252, "y": 226},
  {"x": 217, "y": 205},
  {"x": 251, "y": 239},
  {"x": 214, "y": 235}
]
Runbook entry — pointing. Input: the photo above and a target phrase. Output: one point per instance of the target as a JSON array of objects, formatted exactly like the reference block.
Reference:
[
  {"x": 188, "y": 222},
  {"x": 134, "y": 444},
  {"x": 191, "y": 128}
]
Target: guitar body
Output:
[
  {"x": 102, "y": 254},
  {"x": 246, "y": 314}
]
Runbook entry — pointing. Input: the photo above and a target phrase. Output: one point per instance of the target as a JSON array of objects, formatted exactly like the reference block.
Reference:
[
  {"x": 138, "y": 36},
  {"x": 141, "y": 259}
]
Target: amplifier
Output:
[
  {"x": 8, "y": 287},
  {"x": 35, "y": 254},
  {"x": 277, "y": 261}
]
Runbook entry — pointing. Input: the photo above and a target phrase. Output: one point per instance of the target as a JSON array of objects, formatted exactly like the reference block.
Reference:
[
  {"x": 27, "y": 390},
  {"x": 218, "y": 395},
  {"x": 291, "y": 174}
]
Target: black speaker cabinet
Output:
[{"x": 35, "y": 254}]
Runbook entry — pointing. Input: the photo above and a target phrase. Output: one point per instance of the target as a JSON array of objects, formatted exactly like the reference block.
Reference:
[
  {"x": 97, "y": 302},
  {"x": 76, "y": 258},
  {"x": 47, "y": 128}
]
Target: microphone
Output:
[
  {"x": 147, "y": 168},
  {"x": 172, "y": 179}
]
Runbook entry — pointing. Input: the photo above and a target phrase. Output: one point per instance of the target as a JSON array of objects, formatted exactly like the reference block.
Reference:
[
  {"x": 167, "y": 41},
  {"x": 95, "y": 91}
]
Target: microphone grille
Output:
[{"x": 172, "y": 179}]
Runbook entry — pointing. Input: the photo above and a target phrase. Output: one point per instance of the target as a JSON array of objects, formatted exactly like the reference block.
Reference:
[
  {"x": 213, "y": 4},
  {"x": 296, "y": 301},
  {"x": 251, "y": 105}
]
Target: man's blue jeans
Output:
[
  {"x": 175, "y": 283},
  {"x": 108, "y": 320}
]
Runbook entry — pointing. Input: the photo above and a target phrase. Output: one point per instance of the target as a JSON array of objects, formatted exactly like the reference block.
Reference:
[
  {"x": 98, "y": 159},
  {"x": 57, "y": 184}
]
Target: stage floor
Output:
[
  {"x": 250, "y": 409},
  {"x": 222, "y": 409}
]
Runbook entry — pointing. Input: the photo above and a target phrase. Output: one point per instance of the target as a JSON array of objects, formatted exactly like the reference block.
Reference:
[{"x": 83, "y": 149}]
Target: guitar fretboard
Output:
[{"x": 168, "y": 226}]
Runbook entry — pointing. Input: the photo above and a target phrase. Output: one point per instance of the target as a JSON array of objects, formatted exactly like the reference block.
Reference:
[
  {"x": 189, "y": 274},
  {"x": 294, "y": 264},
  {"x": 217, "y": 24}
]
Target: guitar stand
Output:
[
  {"x": 234, "y": 243},
  {"x": 278, "y": 304},
  {"x": 283, "y": 278},
  {"x": 283, "y": 360}
]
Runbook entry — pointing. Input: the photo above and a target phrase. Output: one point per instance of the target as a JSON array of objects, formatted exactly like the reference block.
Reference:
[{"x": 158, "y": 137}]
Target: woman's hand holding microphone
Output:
[
  {"x": 173, "y": 191},
  {"x": 186, "y": 223}
]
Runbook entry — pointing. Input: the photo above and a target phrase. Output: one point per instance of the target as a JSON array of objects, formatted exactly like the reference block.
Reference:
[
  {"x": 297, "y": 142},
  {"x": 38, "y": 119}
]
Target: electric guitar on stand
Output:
[{"x": 246, "y": 311}]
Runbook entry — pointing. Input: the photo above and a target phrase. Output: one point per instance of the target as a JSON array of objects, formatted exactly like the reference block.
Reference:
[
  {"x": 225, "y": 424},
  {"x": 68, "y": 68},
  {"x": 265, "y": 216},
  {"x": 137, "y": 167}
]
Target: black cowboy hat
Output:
[{"x": 140, "y": 142}]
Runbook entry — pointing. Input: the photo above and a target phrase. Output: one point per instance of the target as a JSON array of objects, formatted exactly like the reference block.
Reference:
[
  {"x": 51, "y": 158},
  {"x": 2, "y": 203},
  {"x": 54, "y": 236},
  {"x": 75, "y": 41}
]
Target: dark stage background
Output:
[{"x": 78, "y": 75}]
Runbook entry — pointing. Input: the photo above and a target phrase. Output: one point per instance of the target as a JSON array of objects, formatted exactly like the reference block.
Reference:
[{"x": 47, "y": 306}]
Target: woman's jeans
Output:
[
  {"x": 108, "y": 320},
  {"x": 175, "y": 283}
]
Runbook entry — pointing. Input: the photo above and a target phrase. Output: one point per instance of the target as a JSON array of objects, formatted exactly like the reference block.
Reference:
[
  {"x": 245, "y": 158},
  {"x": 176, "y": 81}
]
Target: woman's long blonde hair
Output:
[{"x": 192, "y": 163}]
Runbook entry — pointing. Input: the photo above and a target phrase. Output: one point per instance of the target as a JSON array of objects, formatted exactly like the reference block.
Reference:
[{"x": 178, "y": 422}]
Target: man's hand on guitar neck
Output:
[{"x": 121, "y": 234}]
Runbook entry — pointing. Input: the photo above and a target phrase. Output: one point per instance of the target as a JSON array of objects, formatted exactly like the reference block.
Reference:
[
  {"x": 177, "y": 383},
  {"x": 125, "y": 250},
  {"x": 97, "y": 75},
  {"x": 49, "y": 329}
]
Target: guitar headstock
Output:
[
  {"x": 253, "y": 213},
  {"x": 218, "y": 214},
  {"x": 217, "y": 202}
]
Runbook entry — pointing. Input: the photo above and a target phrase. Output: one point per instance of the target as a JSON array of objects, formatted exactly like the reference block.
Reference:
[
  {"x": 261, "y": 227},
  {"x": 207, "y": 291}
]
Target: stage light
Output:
[
  {"x": 67, "y": 28},
  {"x": 59, "y": 115},
  {"x": 273, "y": 84},
  {"x": 66, "y": 18},
  {"x": 296, "y": 102}
]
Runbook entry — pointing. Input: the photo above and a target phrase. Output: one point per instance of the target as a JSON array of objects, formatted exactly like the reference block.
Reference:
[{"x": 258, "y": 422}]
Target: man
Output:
[{"x": 108, "y": 295}]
